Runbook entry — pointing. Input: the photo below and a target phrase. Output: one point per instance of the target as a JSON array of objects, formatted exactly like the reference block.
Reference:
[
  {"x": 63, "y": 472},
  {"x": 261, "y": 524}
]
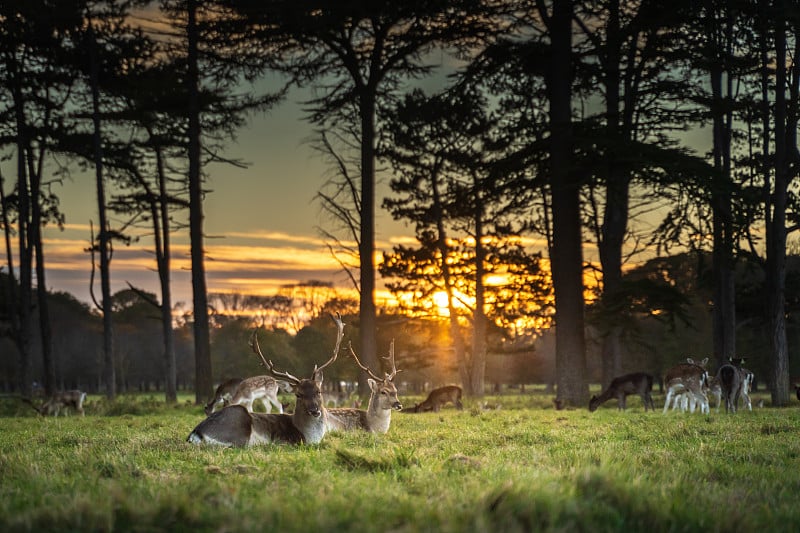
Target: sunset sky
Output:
[{"x": 261, "y": 222}]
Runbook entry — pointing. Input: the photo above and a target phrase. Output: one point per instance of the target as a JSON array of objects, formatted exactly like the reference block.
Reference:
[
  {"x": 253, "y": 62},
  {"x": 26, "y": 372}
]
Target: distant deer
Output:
[
  {"x": 261, "y": 388},
  {"x": 439, "y": 397},
  {"x": 623, "y": 386},
  {"x": 222, "y": 395},
  {"x": 236, "y": 426},
  {"x": 735, "y": 383},
  {"x": 689, "y": 379},
  {"x": 71, "y": 398},
  {"x": 382, "y": 400},
  {"x": 684, "y": 399}
]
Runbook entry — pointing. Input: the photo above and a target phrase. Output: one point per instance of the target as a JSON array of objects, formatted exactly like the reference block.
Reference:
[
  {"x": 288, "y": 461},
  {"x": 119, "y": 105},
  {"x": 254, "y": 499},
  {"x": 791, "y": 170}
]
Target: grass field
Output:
[{"x": 523, "y": 467}]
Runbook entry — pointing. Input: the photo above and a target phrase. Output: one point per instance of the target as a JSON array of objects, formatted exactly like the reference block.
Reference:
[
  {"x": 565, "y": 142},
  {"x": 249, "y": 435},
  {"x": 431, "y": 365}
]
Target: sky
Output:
[{"x": 261, "y": 222}]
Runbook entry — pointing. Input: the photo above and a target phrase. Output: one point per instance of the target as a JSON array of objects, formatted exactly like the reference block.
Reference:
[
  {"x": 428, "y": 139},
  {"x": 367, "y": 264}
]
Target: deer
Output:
[
  {"x": 70, "y": 398},
  {"x": 688, "y": 379},
  {"x": 382, "y": 401},
  {"x": 620, "y": 387},
  {"x": 735, "y": 382},
  {"x": 439, "y": 397},
  {"x": 685, "y": 400},
  {"x": 235, "y": 426},
  {"x": 262, "y": 388},
  {"x": 222, "y": 395}
]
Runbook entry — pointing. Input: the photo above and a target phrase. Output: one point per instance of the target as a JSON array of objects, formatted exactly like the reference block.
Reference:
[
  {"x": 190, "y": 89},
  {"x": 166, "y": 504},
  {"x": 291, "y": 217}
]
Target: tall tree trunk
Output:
[
  {"x": 479, "y": 326},
  {"x": 103, "y": 235},
  {"x": 367, "y": 313},
  {"x": 567, "y": 254},
  {"x": 163, "y": 262},
  {"x": 776, "y": 230},
  {"x": 202, "y": 344},
  {"x": 615, "y": 214},
  {"x": 35, "y": 239},
  {"x": 25, "y": 333}
]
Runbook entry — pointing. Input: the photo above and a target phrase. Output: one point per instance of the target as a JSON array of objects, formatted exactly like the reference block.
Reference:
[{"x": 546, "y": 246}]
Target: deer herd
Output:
[{"x": 231, "y": 421}]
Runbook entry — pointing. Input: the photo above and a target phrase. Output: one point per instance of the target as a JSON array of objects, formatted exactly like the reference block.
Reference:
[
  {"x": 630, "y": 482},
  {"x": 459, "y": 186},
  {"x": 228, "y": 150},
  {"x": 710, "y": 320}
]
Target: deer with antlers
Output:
[
  {"x": 236, "y": 426},
  {"x": 382, "y": 400}
]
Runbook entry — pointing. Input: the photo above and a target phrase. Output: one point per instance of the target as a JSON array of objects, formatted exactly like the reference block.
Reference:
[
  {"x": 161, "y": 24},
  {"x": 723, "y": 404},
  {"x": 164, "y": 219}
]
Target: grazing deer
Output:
[
  {"x": 623, "y": 386},
  {"x": 735, "y": 382},
  {"x": 223, "y": 394},
  {"x": 236, "y": 426},
  {"x": 71, "y": 398},
  {"x": 688, "y": 380},
  {"x": 261, "y": 388},
  {"x": 382, "y": 400},
  {"x": 439, "y": 397}
]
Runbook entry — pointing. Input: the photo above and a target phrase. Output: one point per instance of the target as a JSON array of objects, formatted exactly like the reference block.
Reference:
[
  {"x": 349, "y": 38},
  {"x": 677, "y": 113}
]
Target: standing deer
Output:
[
  {"x": 71, "y": 398},
  {"x": 438, "y": 397},
  {"x": 236, "y": 426},
  {"x": 261, "y": 388},
  {"x": 734, "y": 380},
  {"x": 223, "y": 394},
  {"x": 623, "y": 386},
  {"x": 688, "y": 379},
  {"x": 382, "y": 400}
]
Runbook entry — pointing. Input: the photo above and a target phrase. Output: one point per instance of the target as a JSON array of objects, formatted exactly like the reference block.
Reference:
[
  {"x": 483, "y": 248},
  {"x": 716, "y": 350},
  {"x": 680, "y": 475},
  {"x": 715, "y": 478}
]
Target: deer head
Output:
[
  {"x": 384, "y": 391},
  {"x": 308, "y": 392}
]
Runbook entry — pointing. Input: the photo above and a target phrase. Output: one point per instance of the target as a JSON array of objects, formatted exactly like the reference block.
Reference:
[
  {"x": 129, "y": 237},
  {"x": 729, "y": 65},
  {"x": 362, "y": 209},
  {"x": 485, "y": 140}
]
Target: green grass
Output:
[{"x": 524, "y": 467}]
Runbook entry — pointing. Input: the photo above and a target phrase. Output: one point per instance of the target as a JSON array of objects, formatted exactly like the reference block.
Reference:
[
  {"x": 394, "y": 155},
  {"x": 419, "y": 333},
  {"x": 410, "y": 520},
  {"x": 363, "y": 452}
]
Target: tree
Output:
[
  {"x": 452, "y": 184},
  {"x": 358, "y": 54}
]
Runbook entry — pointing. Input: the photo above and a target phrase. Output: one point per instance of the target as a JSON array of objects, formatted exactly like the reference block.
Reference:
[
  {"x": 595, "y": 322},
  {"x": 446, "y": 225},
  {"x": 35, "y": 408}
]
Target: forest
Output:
[{"x": 594, "y": 187}]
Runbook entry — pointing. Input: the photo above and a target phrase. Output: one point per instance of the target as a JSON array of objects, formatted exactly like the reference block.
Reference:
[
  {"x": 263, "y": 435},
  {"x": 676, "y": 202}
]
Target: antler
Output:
[
  {"x": 268, "y": 363},
  {"x": 339, "y": 336},
  {"x": 364, "y": 368},
  {"x": 390, "y": 358}
]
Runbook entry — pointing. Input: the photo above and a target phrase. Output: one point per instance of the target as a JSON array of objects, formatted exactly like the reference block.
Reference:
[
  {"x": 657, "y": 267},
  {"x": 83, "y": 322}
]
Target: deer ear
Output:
[
  {"x": 690, "y": 360},
  {"x": 705, "y": 362},
  {"x": 318, "y": 376},
  {"x": 373, "y": 385}
]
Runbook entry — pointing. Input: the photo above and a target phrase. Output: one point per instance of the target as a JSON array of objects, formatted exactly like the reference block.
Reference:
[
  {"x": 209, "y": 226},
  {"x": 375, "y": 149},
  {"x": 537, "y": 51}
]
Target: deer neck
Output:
[
  {"x": 312, "y": 428},
  {"x": 378, "y": 418}
]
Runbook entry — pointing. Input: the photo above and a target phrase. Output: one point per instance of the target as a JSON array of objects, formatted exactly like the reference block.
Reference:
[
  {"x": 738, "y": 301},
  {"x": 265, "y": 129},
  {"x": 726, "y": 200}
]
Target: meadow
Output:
[{"x": 522, "y": 467}]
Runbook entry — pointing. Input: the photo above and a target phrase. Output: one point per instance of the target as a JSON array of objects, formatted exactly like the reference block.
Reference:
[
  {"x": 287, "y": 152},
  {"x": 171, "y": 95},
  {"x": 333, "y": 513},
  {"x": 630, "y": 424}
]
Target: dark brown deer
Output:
[
  {"x": 439, "y": 397},
  {"x": 236, "y": 426},
  {"x": 731, "y": 379},
  {"x": 382, "y": 400},
  {"x": 623, "y": 386},
  {"x": 70, "y": 398}
]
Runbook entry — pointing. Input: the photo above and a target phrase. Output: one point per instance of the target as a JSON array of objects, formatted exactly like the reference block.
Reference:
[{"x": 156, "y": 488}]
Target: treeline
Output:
[
  {"x": 653, "y": 340},
  {"x": 559, "y": 126}
]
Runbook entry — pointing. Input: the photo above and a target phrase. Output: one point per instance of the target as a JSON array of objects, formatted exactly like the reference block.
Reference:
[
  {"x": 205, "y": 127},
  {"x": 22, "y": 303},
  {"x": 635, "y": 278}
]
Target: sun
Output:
[{"x": 440, "y": 301}]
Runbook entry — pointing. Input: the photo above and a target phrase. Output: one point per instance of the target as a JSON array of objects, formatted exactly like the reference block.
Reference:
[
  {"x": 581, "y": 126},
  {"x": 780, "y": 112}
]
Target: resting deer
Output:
[
  {"x": 439, "y": 397},
  {"x": 222, "y": 395},
  {"x": 382, "y": 400},
  {"x": 623, "y": 386},
  {"x": 261, "y": 388},
  {"x": 236, "y": 426},
  {"x": 689, "y": 379},
  {"x": 71, "y": 398}
]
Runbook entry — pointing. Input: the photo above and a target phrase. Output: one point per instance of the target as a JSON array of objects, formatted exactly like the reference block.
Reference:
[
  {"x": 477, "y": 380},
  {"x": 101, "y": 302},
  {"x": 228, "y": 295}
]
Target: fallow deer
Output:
[
  {"x": 382, "y": 400},
  {"x": 236, "y": 426},
  {"x": 735, "y": 383},
  {"x": 71, "y": 398},
  {"x": 689, "y": 379},
  {"x": 222, "y": 395},
  {"x": 261, "y": 388},
  {"x": 439, "y": 397},
  {"x": 620, "y": 387}
]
